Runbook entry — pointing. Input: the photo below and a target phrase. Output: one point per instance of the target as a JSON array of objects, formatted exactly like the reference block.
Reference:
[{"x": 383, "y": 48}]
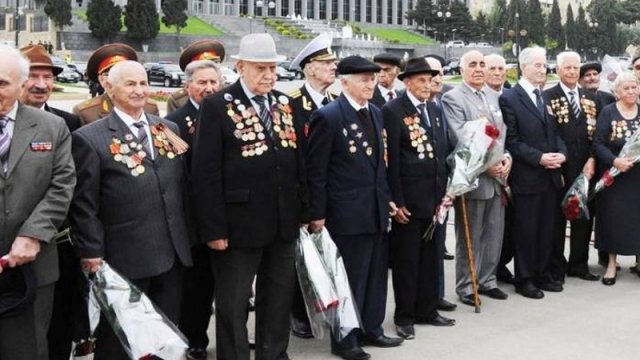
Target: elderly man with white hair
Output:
[
  {"x": 574, "y": 113},
  {"x": 467, "y": 102},
  {"x": 129, "y": 199},
  {"x": 536, "y": 177},
  {"x": 496, "y": 73}
]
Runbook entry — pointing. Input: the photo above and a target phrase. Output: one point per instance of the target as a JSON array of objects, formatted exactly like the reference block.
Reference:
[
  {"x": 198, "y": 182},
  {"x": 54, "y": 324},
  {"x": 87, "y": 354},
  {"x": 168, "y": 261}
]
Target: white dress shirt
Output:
[{"x": 129, "y": 121}]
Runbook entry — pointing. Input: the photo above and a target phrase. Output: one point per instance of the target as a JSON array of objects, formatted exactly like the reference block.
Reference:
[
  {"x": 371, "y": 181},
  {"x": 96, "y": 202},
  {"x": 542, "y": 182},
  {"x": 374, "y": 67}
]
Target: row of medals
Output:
[
  {"x": 418, "y": 138},
  {"x": 132, "y": 161},
  {"x": 250, "y": 129},
  {"x": 562, "y": 113},
  {"x": 352, "y": 144},
  {"x": 161, "y": 142},
  {"x": 620, "y": 130}
]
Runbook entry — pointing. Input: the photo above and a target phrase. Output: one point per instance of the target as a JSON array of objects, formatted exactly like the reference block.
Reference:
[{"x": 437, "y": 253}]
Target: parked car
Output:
[
  {"x": 452, "y": 67},
  {"x": 283, "y": 73},
  {"x": 168, "y": 74},
  {"x": 80, "y": 68},
  {"x": 68, "y": 75},
  {"x": 552, "y": 67},
  {"x": 298, "y": 73},
  {"x": 455, "y": 44},
  {"x": 229, "y": 75}
]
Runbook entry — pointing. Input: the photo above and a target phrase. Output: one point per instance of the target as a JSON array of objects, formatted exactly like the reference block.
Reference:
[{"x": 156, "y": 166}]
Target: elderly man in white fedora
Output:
[{"x": 247, "y": 173}]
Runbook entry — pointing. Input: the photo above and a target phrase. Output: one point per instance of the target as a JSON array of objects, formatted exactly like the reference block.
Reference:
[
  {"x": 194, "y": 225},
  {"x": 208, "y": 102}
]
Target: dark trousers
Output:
[
  {"x": 366, "y": 259},
  {"x": 579, "y": 244},
  {"x": 506, "y": 255},
  {"x": 197, "y": 297},
  {"x": 415, "y": 272},
  {"x": 164, "y": 290},
  {"x": 441, "y": 237},
  {"x": 298, "y": 308},
  {"x": 534, "y": 224},
  {"x": 24, "y": 336},
  {"x": 234, "y": 272},
  {"x": 69, "y": 321}
]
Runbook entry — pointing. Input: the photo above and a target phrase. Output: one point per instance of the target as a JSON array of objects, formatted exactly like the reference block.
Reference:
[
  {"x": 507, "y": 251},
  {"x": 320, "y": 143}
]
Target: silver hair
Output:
[
  {"x": 621, "y": 79},
  {"x": 495, "y": 57},
  {"x": 115, "y": 73},
  {"x": 200, "y": 65},
  {"x": 566, "y": 55},
  {"x": 527, "y": 54},
  {"x": 23, "y": 62},
  {"x": 463, "y": 59}
]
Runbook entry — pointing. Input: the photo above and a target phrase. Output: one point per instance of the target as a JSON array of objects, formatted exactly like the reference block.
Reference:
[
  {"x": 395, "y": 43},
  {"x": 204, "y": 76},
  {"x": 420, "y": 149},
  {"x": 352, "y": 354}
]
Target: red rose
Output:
[
  {"x": 607, "y": 179},
  {"x": 492, "y": 131},
  {"x": 571, "y": 209}
]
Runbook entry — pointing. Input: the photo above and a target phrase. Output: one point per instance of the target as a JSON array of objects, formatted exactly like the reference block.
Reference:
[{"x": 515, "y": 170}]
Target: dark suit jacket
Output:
[
  {"x": 574, "y": 132},
  {"x": 72, "y": 120},
  {"x": 529, "y": 135},
  {"x": 250, "y": 200},
  {"x": 417, "y": 183},
  {"x": 187, "y": 132},
  {"x": 303, "y": 106},
  {"x": 377, "y": 98},
  {"x": 348, "y": 189},
  {"x": 136, "y": 223},
  {"x": 36, "y": 191},
  {"x": 604, "y": 98}
]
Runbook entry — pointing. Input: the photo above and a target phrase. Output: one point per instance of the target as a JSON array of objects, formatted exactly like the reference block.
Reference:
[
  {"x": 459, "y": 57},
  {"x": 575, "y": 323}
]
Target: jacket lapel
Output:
[
  {"x": 24, "y": 131},
  {"x": 526, "y": 101},
  {"x": 354, "y": 128}
]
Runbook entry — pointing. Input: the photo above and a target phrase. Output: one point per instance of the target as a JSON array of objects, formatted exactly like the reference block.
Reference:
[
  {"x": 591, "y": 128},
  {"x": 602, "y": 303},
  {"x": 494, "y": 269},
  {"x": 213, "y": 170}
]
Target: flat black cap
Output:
[
  {"x": 590, "y": 66},
  {"x": 388, "y": 58},
  {"x": 356, "y": 64}
]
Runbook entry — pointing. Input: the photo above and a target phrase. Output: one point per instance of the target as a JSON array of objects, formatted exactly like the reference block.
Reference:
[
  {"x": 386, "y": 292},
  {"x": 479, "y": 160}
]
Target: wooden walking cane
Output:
[{"x": 472, "y": 265}]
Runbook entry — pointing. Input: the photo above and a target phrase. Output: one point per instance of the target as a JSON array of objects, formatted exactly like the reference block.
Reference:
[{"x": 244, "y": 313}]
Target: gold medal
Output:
[
  {"x": 134, "y": 172},
  {"x": 277, "y": 128},
  {"x": 245, "y": 137},
  {"x": 352, "y": 149},
  {"x": 252, "y": 152},
  {"x": 369, "y": 151},
  {"x": 140, "y": 169},
  {"x": 230, "y": 112},
  {"x": 252, "y": 136},
  {"x": 292, "y": 144},
  {"x": 161, "y": 151},
  {"x": 430, "y": 155},
  {"x": 421, "y": 156},
  {"x": 117, "y": 157},
  {"x": 284, "y": 143},
  {"x": 245, "y": 153},
  {"x": 259, "y": 151},
  {"x": 171, "y": 155},
  {"x": 260, "y": 136},
  {"x": 240, "y": 125}
]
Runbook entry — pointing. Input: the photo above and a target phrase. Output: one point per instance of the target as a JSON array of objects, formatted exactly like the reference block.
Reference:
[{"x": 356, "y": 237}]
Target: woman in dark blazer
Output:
[{"x": 617, "y": 208}]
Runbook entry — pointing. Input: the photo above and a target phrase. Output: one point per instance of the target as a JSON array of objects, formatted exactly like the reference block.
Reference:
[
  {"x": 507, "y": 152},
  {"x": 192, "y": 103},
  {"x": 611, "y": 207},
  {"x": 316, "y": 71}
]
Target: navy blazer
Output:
[
  {"x": 347, "y": 187},
  {"x": 529, "y": 135}
]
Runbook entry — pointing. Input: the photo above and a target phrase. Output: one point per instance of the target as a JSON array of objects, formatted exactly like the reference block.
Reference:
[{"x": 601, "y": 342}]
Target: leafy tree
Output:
[
  {"x": 104, "y": 19},
  {"x": 629, "y": 11},
  {"x": 582, "y": 31},
  {"x": 174, "y": 14},
  {"x": 570, "y": 29},
  {"x": 498, "y": 14},
  {"x": 516, "y": 7},
  {"x": 460, "y": 20},
  {"x": 555, "y": 32},
  {"x": 59, "y": 11},
  {"x": 141, "y": 19},
  {"x": 604, "y": 36},
  {"x": 482, "y": 29},
  {"x": 535, "y": 23},
  {"x": 424, "y": 15}
]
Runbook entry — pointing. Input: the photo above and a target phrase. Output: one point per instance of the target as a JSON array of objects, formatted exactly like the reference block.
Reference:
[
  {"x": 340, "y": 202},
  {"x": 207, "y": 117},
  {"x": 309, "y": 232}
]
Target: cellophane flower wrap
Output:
[
  {"x": 143, "y": 330},
  {"x": 574, "y": 203},
  {"x": 325, "y": 285},
  {"x": 631, "y": 149},
  {"x": 480, "y": 146}
]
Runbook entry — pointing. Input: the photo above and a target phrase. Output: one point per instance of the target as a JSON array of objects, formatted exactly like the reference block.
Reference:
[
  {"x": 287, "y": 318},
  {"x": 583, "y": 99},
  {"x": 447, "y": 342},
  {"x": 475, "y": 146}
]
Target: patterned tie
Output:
[
  {"x": 574, "y": 104},
  {"x": 142, "y": 136},
  {"x": 265, "y": 114},
  {"x": 5, "y": 143},
  {"x": 539, "y": 101},
  {"x": 423, "y": 114},
  {"x": 391, "y": 95}
]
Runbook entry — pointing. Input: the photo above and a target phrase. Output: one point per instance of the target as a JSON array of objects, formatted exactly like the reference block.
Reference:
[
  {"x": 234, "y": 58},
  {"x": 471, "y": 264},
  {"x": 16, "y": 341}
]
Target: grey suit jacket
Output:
[
  {"x": 461, "y": 104},
  {"x": 136, "y": 223},
  {"x": 36, "y": 190}
]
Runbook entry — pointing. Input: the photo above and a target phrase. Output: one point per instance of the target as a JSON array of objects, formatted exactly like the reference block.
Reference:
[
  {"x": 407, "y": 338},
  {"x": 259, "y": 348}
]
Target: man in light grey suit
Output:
[
  {"x": 469, "y": 101},
  {"x": 129, "y": 207},
  {"x": 37, "y": 178}
]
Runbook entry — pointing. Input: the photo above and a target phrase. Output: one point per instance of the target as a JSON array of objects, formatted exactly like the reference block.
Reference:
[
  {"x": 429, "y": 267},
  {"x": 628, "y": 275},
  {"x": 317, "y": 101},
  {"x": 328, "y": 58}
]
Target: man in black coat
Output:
[
  {"x": 350, "y": 196},
  {"x": 203, "y": 78},
  {"x": 417, "y": 146},
  {"x": 248, "y": 174},
  {"x": 574, "y": 112},
  {"x": 386, "y": 91},
  {"x": 536, "y": 177},
  {"x": 590, "y": 81},
  {"x": 129, "y": 205}
]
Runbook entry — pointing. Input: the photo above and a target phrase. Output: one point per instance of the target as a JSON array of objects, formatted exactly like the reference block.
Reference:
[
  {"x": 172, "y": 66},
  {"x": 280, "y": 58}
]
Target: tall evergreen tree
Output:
[
  {"x": 535, "y": 23},
  {"x": 104, "y": 19},
  {"x": 59, "y": 11},
  {"x": 175, "y": 14},
  {"x": 498, "y": 19},
  {"x": 519, "y": 7},
  {"x": 554, "y": 27},
  {"x": 482, "y": 30},
  {"x": 582, "y": 31},
  {"x": 570, "y": 29},
  {"x": 604, "y": 36},
  {"x": 423, "y": 15},
  {"x": 141, "y": 19}
]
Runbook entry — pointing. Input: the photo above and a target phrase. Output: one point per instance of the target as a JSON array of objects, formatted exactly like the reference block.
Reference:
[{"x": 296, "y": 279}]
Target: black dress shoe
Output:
[
  {"x": 494, "y": 293},
  {"x": 439, "y": 320},
  {"x": 354, "y": 353},
  {"x": 584, "y": 275},
  {"x": 406, "y": 332},
  {"x": 529, "y": 290},
  {"x": 382, "y": 341},
  {"x": 444, "y": 305},
  {"x": 468, "y": 300},
  {"x": 547, "y": 284},
  {"x": 301, "y": 328},
  {"x": 196, "y": 353},
  {"x": 609, "y": 281},
  {"x": 504, "y": 275}
]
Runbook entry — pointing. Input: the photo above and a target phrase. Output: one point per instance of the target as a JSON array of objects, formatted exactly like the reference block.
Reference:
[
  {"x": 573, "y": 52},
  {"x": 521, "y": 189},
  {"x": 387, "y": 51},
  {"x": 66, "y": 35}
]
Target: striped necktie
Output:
[
  {"x": 265, "y": 114},
  {"x": 5, "y": 143},
  {"x": 142, "y": 136},
  {"x": 574, "y": 104}
]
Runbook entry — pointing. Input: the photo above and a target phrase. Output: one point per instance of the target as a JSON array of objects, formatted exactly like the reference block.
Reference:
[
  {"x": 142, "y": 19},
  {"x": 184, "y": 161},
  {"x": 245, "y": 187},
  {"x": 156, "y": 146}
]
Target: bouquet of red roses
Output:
[
  {"x": 631, "y": 149},
  {"x": 480, "y": 146},
  {"x": 574, "y": 204}
]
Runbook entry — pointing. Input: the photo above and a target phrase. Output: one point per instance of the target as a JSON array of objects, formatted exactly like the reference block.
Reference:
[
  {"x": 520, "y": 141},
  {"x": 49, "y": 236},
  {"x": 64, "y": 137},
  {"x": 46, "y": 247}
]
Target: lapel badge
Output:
[{"x": 41, "y": 146}]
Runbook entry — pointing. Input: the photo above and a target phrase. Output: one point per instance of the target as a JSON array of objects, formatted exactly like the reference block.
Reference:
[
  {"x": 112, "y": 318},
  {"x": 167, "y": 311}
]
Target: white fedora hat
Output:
[{"x": 258, "y": 48}]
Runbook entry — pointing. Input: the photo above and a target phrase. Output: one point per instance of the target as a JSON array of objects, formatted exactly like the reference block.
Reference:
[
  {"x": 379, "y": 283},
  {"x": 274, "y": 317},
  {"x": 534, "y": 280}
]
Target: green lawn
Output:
[
  {"x": 398, "y": 35},
  {"x": 195, "y": 26}
]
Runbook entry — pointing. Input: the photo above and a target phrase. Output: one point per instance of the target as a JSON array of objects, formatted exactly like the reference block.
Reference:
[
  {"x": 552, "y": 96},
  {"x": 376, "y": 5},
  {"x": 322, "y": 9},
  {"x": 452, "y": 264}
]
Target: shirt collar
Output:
[
  {"x": 195, "y": 104},
  {"x": 414, "y": 100},
  {"x": 128, "y": 120},
  {"x": 354, "y": 104},
  {"x": 527, "y": 86},
  {"x": 473, "y": 90},
  {"x": 566, "y": 89},
  {"x": 13, "y": 113},
  {"x": 315, "y": 96},
  {"x": 384, "y": 91}
]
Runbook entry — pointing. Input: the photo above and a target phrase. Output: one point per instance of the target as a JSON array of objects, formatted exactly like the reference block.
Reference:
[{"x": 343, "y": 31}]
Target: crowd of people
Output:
[{"x": 205, "y": 204}]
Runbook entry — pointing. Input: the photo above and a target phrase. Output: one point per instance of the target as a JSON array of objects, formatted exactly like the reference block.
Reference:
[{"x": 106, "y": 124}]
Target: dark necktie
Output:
[
  {"x": 391, "y": 94},
  {"x": 367, "y": 124},
  {"x": 424, "y": 116},
  {"x": 325, "y": 101},
  {"x": 574, "y": 104},
  {"x": 539, "y": 101},
  {"x": 264, "y": 114},
  {"x": 143, "y": 139},
  {"x": 5, "y": 143}
]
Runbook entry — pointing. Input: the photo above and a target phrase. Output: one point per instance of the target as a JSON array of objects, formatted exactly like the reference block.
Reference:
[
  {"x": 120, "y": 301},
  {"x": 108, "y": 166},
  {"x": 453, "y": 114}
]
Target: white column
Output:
[
  {"x": 278, "y": 8},
  {"x": 394, "y": 12},
  {"x": 405, "y": 8},
  {"x": 316, "y": 9},
  {"x": 329, "y": 9},
  {"x": 374, "y": 11},
  {"x": 303, "y": 9},
  {"x": 341, "y": 10},
  {"x": 385, "y": 9},
  {"x": 352, "y": 10}
]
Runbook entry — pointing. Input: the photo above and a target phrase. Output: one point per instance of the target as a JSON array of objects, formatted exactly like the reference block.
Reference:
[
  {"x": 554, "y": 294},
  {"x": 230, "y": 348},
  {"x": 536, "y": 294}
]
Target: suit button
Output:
[{"x": 7, "y": 212}]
